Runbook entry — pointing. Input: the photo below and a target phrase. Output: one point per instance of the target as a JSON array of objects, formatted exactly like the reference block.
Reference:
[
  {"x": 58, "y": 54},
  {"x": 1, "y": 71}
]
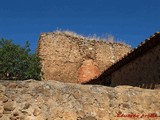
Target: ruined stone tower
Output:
[{"x": 63, "y": 53}]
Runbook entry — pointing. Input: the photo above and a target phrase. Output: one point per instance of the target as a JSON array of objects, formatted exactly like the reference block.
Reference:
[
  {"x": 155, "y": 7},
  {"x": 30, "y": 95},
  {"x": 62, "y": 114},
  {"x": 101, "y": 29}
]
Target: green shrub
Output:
[{"x": 17, "y": 63}]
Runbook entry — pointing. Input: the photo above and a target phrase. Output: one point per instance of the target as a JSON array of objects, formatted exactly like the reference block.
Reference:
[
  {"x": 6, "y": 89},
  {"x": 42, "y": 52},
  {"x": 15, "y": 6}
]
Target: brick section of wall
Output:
[
  {"x": 62, "y": 55},
  {"x": 144, "y": 71},
  {"x": 89, "y": 70}
]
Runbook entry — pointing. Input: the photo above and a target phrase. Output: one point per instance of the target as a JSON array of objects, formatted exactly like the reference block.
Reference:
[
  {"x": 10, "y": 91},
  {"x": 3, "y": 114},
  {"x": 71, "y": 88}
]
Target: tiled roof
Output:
[{"x": 135, "y": 53}]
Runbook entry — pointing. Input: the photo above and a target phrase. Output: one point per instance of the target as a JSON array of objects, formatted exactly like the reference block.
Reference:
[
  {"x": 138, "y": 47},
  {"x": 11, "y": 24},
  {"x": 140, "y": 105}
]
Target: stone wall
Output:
[
  {"x": 63, "y": 54},
  {"x": 144, "y": 71},
  {"x": 140, "y": 67},
  {"x": 53, "y": 100}
]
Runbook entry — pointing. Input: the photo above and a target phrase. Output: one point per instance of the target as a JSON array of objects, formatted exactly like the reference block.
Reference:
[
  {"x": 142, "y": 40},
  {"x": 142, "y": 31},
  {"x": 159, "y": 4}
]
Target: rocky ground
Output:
[{"x": 52, "y": 100}]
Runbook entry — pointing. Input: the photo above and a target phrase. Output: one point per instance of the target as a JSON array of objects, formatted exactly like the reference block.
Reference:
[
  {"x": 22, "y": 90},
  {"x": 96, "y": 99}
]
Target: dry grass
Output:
[{"x": 108, "y": 38}]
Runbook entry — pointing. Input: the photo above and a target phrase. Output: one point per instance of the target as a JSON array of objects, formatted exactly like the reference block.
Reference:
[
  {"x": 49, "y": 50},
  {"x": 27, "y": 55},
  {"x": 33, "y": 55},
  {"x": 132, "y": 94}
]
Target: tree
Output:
[{"x": 17, "y": 63}]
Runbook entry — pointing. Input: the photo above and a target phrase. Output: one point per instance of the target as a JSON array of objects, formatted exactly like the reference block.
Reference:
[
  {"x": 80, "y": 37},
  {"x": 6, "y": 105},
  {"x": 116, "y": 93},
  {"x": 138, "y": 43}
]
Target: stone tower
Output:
[{"x": 63, "y": 54}]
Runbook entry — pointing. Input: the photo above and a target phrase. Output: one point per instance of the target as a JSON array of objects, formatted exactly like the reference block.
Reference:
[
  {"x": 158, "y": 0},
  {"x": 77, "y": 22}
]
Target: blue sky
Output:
[{"x": 131, "y": 21}]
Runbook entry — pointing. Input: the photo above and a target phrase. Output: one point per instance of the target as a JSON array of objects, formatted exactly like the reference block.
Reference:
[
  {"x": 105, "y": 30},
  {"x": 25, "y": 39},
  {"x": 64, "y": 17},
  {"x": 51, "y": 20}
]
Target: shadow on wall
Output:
[
  {"x": 99, "y": 81},
  {"x": 107, "y": 82},
  {"x": 150, "y": 86},
  {"x": 143, "y": 85}
]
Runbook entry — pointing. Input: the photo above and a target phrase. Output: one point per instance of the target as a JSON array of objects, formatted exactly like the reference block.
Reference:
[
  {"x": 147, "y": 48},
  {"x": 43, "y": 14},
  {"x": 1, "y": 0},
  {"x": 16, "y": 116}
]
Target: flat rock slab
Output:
[{"x": 52, "y": 100}]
